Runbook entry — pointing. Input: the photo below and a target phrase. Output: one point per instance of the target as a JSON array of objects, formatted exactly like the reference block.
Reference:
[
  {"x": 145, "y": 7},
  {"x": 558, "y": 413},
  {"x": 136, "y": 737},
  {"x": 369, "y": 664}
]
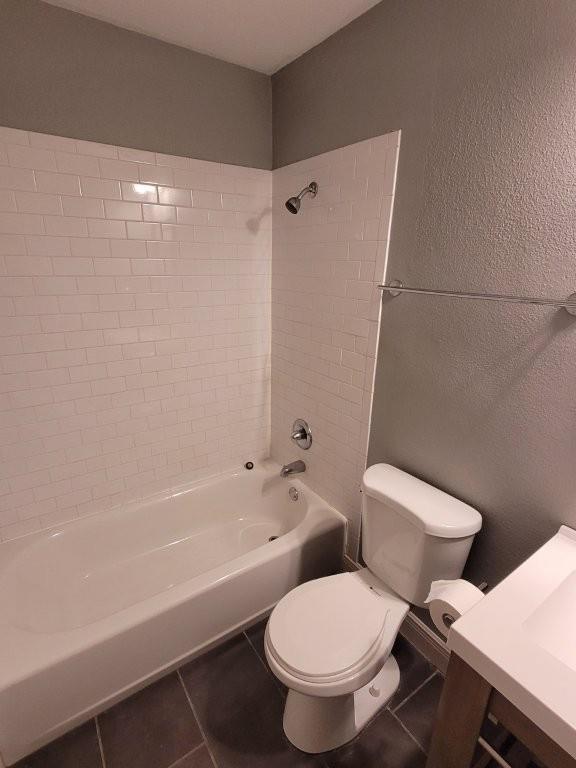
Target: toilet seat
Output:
[{"x": 333, "y": 632}]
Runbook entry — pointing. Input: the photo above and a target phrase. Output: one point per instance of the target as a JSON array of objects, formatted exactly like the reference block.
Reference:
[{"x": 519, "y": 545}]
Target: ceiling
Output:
[{"x": 260, "y": 34}]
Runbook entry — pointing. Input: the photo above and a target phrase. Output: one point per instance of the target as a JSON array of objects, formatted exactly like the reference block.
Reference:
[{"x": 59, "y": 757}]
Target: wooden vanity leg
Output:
[{"x": 463, "y": 707}]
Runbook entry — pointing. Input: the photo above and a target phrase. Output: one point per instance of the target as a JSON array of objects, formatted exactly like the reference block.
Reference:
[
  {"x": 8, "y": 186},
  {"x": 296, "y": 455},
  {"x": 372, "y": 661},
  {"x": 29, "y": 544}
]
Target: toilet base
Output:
[{"x": 318, "y": 723}]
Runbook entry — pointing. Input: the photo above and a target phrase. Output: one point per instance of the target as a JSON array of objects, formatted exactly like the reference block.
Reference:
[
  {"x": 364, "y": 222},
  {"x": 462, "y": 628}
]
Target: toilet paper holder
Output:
[{"x": 448, "y": 619}]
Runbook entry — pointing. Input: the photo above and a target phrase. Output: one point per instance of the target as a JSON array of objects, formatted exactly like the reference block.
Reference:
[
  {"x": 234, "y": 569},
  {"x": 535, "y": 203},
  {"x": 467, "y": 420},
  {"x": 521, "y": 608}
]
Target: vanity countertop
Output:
[{"x": 522, "y": 638}]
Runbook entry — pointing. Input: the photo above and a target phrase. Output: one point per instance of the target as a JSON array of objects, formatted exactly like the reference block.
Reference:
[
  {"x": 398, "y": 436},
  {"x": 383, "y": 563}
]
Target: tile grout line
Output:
[
  {"x": 414, "y": 692},
  {"x": 100, "y": 744},
  {"x": 175, "y": 764},
  {"x": 200, "y": 728},
  {"x": 410, "y": 734},
  {"x": 266, "y": 667},
  {"x": 251, "y": 644},
  {"x": 320, "y": 756}
]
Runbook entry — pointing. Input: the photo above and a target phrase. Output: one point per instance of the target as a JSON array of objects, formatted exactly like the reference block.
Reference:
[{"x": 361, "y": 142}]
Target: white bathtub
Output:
[{"x": 93, "y": 610}]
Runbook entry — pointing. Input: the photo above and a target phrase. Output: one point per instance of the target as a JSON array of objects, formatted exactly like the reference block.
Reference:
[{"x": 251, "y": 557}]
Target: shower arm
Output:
[{"x": 311, "y": 189}]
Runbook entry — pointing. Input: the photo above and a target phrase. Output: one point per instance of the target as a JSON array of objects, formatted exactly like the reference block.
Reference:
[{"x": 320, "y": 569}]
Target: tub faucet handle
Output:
[{"x": 301, "y": 434}]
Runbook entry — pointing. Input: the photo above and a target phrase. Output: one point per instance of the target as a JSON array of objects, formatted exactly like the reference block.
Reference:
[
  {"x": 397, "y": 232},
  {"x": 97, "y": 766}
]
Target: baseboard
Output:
[
  {"x": 416, "y": 632},
  {"x": 425, "y": 641}
]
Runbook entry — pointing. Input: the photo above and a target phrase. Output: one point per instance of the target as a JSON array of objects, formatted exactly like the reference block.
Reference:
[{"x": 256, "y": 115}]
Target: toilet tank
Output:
[{"x": 413, "y": 533}]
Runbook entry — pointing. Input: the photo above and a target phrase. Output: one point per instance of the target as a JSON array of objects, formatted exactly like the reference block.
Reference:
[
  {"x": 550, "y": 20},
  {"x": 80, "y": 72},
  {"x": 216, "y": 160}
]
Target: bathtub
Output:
[{"x": 93, "y": 610}]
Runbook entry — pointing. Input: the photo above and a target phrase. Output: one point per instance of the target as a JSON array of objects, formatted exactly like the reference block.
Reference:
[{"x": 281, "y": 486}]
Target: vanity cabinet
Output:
[{"x": 467, "y": 699}]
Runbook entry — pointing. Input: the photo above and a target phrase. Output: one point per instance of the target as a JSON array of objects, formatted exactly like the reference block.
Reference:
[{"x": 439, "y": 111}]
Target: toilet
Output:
[{"x": 330, "y": 640}]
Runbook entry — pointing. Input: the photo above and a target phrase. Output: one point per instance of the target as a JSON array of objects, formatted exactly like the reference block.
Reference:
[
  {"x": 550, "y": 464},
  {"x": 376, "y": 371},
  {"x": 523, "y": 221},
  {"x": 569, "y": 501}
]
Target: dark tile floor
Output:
[{"x": 224, "y": 710}]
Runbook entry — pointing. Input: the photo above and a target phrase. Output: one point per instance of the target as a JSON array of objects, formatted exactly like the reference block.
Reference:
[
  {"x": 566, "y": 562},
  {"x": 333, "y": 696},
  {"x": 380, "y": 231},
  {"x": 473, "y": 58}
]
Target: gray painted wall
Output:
[
  {"x": 67, "y": 74},
  {"x": 476, "y": 398}
]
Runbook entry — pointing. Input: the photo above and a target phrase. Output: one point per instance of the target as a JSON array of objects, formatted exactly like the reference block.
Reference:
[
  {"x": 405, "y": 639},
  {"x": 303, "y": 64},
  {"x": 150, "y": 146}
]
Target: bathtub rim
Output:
[{"x": 260, "y": 466}]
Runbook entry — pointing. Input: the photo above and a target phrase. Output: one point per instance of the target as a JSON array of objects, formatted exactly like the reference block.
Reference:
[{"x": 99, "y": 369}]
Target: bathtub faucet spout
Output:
[{"x": 294, "y": 468}]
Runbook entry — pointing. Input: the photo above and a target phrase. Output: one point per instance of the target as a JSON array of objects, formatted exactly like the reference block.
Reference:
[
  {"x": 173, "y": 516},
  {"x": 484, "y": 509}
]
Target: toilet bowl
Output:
[{"x": 330, "y": 640}]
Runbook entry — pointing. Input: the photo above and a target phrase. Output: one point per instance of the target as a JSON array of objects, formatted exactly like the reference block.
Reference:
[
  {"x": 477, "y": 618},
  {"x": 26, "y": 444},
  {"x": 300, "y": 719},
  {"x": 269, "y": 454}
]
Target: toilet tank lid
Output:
[{"x": 430, "y": 509}]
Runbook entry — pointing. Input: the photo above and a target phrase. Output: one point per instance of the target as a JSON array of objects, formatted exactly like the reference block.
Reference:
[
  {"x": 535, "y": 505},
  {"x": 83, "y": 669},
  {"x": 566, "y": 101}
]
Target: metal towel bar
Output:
[{"x": 396, "y": 287}]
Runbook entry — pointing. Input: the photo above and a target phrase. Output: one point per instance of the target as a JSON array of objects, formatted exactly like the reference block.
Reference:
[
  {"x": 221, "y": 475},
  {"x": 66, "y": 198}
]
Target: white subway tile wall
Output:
[
  {"x": 327, "y": 262},
  {"x": 135, "y": 333}
]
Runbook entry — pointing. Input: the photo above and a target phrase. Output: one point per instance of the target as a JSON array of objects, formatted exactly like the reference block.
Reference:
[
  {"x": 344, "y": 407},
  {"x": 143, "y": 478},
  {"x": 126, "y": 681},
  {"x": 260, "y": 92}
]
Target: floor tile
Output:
[
  {"x": 77, "y": 749},
  {"x": 151, "y": 729},
  {"x": 200, "y": 758},
  {"x": 419, "y": 711},
  {"x": 239, "y": 703},
  {"x": 255, "y": 637},
  {"x": 383, "y": 744},
  {"x": 240, "y": 710},
  {"x": 414, "y": 670}
]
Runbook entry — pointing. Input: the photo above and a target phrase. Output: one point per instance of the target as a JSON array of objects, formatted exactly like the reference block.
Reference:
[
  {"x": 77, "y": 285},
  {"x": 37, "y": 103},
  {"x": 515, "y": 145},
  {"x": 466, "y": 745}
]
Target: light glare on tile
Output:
[{"x": 142, "y": 189}]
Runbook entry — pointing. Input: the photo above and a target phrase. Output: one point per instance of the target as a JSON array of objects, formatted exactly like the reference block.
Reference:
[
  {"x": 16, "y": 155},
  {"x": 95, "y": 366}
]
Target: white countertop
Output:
[{"x": 522, "y": 638}]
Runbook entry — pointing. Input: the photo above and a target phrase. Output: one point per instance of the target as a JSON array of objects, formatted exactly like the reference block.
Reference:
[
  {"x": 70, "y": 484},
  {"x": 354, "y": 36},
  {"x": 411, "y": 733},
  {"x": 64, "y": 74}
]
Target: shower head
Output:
[{"x": 293, "y": 203}]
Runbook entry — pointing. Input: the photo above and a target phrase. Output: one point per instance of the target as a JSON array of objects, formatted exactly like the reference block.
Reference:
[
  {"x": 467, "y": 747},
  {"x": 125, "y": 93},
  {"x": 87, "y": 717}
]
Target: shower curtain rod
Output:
[{"x": 396, "y": 287}]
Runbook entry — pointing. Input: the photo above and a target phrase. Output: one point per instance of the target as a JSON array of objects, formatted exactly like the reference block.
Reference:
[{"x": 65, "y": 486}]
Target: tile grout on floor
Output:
[
  {"x": 407, "y": 731},
  {"x": 277, "y": 683},
  {"x": 260, "y": 659},
  {"x": 319, "y": 757},
  {"x": 200, "y": 728},
  {"x": 100, "y": 744},
  {"x": 251, "y": 644},
  {"x": 418, "y": 688},
  {"x": 203, "y": 744}
]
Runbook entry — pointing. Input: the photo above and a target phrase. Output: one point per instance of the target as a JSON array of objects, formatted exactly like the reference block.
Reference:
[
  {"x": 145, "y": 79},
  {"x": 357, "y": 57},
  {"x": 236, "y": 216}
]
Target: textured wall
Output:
[
  {"x": 70, "y": 75},
  {"x": 134, "y": 328},
  {"x": 478, "y": 399},
  {"x": 327, "y": 262}
]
